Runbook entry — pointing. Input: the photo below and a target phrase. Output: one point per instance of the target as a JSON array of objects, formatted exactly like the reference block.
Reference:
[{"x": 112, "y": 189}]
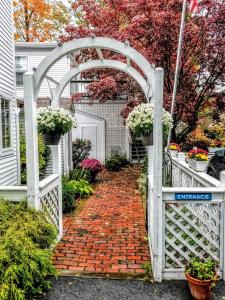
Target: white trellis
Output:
[{"x": 47, "y": 195}]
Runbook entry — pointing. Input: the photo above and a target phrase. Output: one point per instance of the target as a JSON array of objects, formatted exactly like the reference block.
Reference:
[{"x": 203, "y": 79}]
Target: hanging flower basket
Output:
[
  {"x": 147, "y": 140},
  {"x": 51, "y": 138},
  {"x": 53, "y": 123},
  {"x": 140, "y": 122}
]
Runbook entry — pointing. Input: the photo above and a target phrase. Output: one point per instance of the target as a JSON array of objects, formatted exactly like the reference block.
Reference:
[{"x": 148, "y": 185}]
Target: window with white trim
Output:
[
  {"x": 5, "y": 127},
  {"x": 21, "y": 68}
]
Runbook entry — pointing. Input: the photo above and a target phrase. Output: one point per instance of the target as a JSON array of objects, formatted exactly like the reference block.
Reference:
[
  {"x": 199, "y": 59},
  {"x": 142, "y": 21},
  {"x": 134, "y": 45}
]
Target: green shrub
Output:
[
  {"x": 202, "y": 269},
  {"x": 73, "y": 190},
  {"x": 25, "y": 257},
  {"x": 44, "y": 154},
  {"x": 80, "y": 149},
  {"x": 80, "y": 173},
  {"x": 116, "y": 162}
]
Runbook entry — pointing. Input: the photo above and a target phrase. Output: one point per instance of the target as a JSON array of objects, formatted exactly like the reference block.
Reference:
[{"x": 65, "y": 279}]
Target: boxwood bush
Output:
[
  {"x": 25, "y": 255},
  {"x": 116, "y": 162}
]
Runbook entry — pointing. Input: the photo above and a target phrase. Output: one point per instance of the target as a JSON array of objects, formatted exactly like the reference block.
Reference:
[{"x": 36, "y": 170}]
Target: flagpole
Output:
[{"x": 177, "y": 67}]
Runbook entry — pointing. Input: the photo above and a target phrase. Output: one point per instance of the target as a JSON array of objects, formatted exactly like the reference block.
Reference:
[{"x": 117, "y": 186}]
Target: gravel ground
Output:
[{"x": 68, "y": 288}]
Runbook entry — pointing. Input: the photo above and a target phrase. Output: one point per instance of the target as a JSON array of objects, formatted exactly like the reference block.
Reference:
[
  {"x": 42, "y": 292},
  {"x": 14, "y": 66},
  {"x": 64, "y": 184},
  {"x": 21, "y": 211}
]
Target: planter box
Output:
[
  {"x": 213, "y": 149},
  {"x": 199, "y": 166},
  {"x": 173, "y": 153}
]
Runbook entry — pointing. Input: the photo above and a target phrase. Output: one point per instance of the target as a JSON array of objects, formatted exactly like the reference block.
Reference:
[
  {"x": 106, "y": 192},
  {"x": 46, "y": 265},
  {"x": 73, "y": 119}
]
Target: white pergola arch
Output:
[
  {"x": 97, "y": 43},
  {"x": 150, "y": 81},
  {"x": 99, "y": 64}
]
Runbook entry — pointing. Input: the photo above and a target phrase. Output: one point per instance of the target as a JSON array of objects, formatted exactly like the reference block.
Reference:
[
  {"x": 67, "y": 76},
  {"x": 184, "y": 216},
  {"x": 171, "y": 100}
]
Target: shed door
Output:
[{"x": 90, "y": 133}]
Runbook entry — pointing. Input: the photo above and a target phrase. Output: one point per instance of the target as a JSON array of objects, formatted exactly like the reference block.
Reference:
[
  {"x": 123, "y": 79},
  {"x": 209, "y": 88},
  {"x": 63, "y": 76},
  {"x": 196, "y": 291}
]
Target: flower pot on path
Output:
[
  {"x": 51, "y": 138},
  {"x": 200, "y": 289},
  {"x": 147, "y": 140}
]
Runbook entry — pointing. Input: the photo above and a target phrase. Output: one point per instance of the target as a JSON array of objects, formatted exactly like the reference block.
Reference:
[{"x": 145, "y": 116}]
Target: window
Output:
[
  {"x": 21, "y": 68},
  {"x": 5, "y": 124}
]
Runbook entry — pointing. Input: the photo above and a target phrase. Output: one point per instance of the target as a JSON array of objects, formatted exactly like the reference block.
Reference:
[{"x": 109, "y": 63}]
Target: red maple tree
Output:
[{"x": 152, "y": 27}]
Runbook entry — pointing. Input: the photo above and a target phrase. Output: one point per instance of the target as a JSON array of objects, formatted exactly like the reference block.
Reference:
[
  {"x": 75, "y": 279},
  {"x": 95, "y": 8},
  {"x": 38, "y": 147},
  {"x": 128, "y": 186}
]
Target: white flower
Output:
[
  {"x": 140, "y": 120},
  {"x": 55, "y": 120}
]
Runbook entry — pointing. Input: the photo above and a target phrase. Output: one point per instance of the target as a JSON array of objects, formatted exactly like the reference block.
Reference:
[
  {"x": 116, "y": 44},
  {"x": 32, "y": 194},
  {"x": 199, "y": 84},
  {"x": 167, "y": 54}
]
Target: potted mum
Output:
[
  {"x": 140, "y": 122},
  {"x": 53, "y": 123},
  {"x": 201, "y": 276},
  {"x": 198, "y": 159},
  {"x": 174, "y": 149},
  {"x": 214, "y": 146}
]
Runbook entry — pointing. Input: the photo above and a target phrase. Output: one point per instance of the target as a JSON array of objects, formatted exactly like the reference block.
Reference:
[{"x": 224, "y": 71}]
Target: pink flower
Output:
[{"x": 92, "y": 164}]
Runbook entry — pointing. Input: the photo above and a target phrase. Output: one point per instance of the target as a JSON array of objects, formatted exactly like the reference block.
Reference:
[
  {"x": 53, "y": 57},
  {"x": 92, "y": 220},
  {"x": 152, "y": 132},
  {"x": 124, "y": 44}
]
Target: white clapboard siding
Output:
[
  {"x": 8, "y": 158},
  {"x": 36, "y": 52}
]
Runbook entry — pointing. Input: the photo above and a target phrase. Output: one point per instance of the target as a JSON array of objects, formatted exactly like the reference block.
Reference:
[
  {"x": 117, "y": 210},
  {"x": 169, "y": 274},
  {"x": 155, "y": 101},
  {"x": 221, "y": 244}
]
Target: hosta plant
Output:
[
  {"x": 140, "y": 120},
  {"x": 54, "y": 120}
]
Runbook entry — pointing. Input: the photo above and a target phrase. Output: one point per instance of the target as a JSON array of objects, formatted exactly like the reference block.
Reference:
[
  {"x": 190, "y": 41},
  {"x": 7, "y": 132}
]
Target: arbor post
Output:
[
  {"x": 32, "y": 161},
  {"x": 57, "y": 165},
  {"x": 156, "y": 165}
]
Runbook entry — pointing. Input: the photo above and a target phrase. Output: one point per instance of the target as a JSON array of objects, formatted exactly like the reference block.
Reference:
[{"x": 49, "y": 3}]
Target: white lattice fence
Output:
[
  {"x": 191, "y": 230},
  {"x": 50, "y": 199}
]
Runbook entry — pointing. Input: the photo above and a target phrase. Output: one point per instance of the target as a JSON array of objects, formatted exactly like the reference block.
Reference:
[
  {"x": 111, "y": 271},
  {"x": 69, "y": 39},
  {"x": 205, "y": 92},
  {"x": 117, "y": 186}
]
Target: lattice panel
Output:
[
  {"x": 50, "y": 205},
  {"x": 191, "y": 229}
]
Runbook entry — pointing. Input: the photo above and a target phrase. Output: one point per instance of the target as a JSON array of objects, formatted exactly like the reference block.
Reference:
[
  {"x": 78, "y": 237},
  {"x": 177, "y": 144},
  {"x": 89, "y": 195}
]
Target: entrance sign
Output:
[{"x": 193, "y": 196}]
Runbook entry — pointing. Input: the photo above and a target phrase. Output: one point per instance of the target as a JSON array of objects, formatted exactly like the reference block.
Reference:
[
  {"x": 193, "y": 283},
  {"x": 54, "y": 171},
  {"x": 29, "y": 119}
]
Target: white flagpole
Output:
[{"x": 177, "y": 67}]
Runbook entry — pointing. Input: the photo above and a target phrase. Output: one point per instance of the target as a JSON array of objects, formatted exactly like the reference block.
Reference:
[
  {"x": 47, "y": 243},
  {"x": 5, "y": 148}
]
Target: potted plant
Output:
[
  {"x": 53, "y": 123},
  {"x": 140, "y": 122},
  {"x": 214, "y": 146},
  {"x": 174, "y": 149},
  {"x": 201, "y": 276},
  {"x": 198, "y": 159}
]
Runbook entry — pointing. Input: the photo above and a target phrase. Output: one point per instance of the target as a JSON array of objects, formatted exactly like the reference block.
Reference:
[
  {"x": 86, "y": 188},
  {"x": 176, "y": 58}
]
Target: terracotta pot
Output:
[
  {"x": 200, "y": 289},
  {"x": 147, "y": 140},
  {"x": 51, "y": 138}
]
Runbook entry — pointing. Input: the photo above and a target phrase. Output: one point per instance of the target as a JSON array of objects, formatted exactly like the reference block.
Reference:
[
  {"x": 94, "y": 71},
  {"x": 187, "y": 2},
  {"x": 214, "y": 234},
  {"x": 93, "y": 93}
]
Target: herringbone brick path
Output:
[{"x": 108, "y": 236}]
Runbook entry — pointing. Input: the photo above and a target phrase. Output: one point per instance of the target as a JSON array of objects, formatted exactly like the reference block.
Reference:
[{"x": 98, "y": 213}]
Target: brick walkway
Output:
[{"x": 108, "y": 236}]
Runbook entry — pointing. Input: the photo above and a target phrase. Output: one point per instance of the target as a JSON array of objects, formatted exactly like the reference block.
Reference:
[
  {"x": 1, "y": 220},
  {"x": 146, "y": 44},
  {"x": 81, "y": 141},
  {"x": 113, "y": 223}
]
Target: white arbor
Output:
[{"x": 150, "y": 81}]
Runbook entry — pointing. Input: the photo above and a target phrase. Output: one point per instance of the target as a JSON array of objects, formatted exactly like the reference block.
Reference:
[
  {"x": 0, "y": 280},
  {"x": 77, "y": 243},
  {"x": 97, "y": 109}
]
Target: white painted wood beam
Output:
[
  {"x": 73, "y": 60},
  {"x": 100, "y": 54},
  {"x": 51, "y": 79}
]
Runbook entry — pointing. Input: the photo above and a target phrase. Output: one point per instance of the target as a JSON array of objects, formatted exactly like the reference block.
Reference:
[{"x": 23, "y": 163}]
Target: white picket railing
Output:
[
  {"x": 49, "y": 198},
  {"x": 13, "y": 193}
]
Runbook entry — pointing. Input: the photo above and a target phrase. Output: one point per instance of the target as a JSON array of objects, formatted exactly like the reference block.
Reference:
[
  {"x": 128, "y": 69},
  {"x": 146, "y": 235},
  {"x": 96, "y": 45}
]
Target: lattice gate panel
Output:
[
  {"x": 191, "y": 229},
  {"x": 50, "y": 205}
]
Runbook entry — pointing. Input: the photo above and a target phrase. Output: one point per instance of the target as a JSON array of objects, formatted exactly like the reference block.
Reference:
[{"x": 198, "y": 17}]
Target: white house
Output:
[
  {"x": 28, "y": 56},
  {"x": 9, "y": 154}
]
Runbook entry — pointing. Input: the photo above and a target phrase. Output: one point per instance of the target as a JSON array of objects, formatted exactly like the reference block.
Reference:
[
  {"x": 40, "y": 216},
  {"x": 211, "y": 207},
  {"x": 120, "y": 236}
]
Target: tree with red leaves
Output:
[{"x": 152, "y": 28}]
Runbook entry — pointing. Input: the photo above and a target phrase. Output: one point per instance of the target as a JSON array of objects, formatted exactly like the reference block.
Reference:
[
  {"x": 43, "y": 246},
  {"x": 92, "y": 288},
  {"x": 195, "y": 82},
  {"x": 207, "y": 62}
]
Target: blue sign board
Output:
[{"x": 193, "y": 196}]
